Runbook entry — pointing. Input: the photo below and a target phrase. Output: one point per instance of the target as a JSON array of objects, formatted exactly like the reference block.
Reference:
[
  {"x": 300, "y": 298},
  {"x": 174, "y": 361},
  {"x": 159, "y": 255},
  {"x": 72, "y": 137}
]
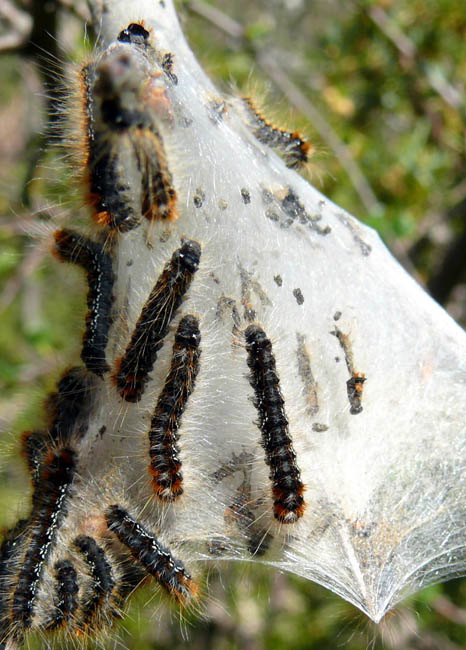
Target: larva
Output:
[
  {"x": 91, "y": 256},
  {"x": 169, "y": 572},
  {"x": 290, "y": 144},
  {"x": 111, "y": 93},
  {"x": 34, "y": 448},
  {"x": 134, "y": 367},
  {"x": 354, "y": 388},
  {"x": 66, "y": 596},
  {"x": 285, "y": 475},
  {"x": 49, "y": 507},
  {"x": 355, "y": 384},
  {"x": 113, "y": 202},
  {"x": 102, "y": 579},
  {"x": 158, "y": 193},
  {"x": 9, "y": 551},
  {"x": 128, "y": 174},
  {"x": 68, "y": 407},
  {"x": 165, "y": 465}
]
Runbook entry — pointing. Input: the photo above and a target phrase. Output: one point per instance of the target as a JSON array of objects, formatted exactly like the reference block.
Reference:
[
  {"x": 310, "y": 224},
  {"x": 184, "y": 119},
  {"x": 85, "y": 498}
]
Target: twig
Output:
[
  {"x": 449, "y": 610},
  {"x": 21, "y": 26},
  {"x": 19, "y": 19},
  {"x": 217, "y": 18},
  {"x": 268, "y": 62},
  {"x": 408, "y": 49},
  {"x": 297, "y": 98},
  {"x": 96, "y": 10},
  {"x": 392, "y": 32},
  {"x": 9, "y": 42}
]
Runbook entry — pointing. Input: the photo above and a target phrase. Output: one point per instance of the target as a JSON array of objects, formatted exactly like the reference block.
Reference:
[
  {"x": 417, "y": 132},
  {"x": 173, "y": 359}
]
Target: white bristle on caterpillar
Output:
[{"x": 244, "y": 245}]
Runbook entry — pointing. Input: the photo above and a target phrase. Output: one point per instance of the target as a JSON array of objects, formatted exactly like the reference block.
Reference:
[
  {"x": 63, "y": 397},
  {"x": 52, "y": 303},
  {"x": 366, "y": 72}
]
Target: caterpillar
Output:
[
  {"x": 127, "y": 172},
  {"x": 206, "y": 352},
  {"x": 91, "y": 256},
  {"x": 165, "y": 464},
  {"x": 285, "y": 475},
  {"x": 49, "y": 500},
  {"x": 290, "y": 144},
  {"x": 132, "y": 372},
  {"x": 157, "y": 559}
]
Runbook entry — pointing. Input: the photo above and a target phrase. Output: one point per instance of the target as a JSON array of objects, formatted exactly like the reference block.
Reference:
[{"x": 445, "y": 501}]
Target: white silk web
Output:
[
  {"x": 364, "y": 375},
  {"x": 385, "y": 487}
]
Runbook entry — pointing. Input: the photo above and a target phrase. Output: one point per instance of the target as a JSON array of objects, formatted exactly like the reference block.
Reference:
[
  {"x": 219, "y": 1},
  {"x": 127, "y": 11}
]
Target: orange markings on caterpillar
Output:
[
  {"x": 72, "y": 247},
  {"x": 292, "y": 146},
  {"x": 127, "y": 170},
  {"x": 355, "y": 384},
  {"x": 132, "y": 370},
  {"x": 157, "y": 559},
  {"x": 158, "y": 194},
  {"x": 354, "y": 387},
  {"x": 287, "y": 488},
  {"x": 165, "y": 465}
]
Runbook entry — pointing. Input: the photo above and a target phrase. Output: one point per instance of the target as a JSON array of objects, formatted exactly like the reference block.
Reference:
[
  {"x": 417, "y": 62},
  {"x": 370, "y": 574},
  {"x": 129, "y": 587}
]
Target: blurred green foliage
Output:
[
  {"x": 388, "y": 78},
  {"x": 407, "y": 139}
]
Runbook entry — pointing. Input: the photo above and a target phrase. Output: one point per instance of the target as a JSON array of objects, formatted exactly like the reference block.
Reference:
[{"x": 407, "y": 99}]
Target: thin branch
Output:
[
  {"x": 408, "y": 50},
  {"x": 16, "y": 17},
  {"x": 20, "y": 23}
]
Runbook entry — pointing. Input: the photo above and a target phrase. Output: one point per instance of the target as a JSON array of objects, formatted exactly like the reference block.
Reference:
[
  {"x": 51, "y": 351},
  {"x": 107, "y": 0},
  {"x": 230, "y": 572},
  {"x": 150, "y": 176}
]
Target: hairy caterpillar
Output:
[
  {"x": 165, "y": 464},
  {"x": 280, "y": 456},
  {"x": 259, "y": 257}
]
